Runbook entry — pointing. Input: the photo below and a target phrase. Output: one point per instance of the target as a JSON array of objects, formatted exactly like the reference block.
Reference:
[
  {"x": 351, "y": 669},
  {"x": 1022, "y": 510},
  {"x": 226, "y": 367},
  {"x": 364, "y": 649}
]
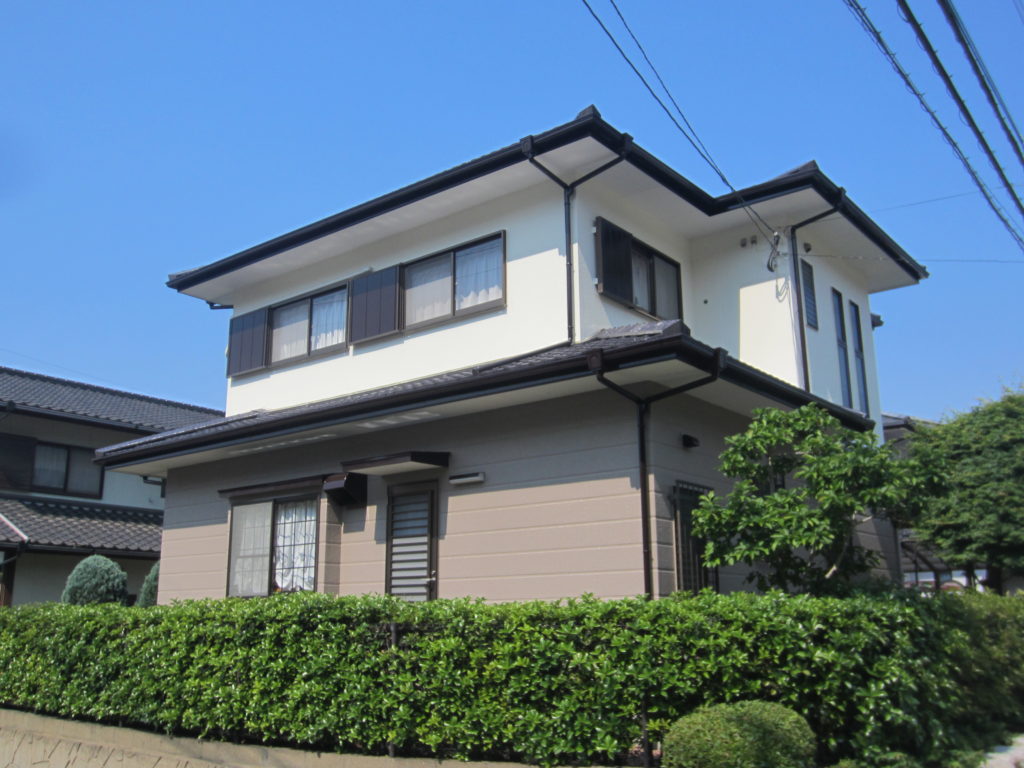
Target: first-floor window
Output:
[
  {"x": 691, "y": 573},
  {"x": 273, "y": 547}
]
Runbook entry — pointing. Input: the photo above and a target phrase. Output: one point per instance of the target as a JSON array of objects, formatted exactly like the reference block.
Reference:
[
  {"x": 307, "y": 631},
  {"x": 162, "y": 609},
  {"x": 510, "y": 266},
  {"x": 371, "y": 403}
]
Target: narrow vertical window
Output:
[
  {"x": 858, "y": 358},
  {"x": 691, "y": 574},
  {"x": 411, "y": 537},
  {"x": 844, "y": 359},
  {"x": 328, "y": 318},
  {"x": 249, "y": 560},
  {"x": 810, "y": 298},
  {"x": 642, "y": 279}
]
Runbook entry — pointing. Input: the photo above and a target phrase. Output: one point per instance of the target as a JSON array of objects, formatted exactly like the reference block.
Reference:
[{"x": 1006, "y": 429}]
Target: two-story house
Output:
[
  {"x": 57, "y": 506},
  {"x": 514, "y": 378}
]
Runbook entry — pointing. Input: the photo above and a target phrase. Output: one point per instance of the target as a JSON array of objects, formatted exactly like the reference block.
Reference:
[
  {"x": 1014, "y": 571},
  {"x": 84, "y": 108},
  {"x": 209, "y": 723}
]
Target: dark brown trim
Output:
[
  {"x": 588, "y": 124},
  {"x": 668, "y": 346},
  {"x": 404, "y": 489},
  {"x": 653, "y": 254}
]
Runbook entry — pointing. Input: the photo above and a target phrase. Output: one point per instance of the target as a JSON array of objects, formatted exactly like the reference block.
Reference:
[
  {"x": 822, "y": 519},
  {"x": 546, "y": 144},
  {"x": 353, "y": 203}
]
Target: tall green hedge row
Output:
[{"x": 538, "y": 682}]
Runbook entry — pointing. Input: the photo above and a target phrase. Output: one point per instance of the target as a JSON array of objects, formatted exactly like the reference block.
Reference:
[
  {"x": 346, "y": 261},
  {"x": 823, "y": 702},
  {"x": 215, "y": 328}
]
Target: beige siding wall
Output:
[{"x": 558, "y": 515}]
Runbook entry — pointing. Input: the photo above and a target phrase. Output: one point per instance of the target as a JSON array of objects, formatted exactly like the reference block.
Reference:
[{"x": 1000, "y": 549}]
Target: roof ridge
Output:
[
  {"x": 75, "y": 502},
  {"x": 111, "y": 390}
]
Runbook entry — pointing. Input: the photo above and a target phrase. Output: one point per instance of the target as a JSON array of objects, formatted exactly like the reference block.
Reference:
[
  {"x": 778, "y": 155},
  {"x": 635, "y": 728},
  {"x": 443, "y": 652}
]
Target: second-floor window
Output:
[
  {"x": 631, "y": 272},
  {"x": 858, "y": 358},
  {"x": 31, "y": 465},
  {"x": 810, "y": 299},
  {"x": 452, "y": 283},
  {"x": 844, "y": 359},
  {"x": 308, "y": 325}
]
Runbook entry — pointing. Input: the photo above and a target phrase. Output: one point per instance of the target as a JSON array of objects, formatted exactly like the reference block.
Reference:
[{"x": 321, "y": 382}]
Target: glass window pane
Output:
[
  {"x": 250, "y": 549},
  {"x": 642, "y": 280},
  {"x": 428, "y": 289},
  {"x": 50, "y": 467},
  {"x": 329, "y": 319},
  {"x": 289, "y": 331},
  {"x": 295, "y": 545},
  {"x": 479, "y": 274},
  {"x": 666, "y": 289},
  {"x": 83, "y": 475}
]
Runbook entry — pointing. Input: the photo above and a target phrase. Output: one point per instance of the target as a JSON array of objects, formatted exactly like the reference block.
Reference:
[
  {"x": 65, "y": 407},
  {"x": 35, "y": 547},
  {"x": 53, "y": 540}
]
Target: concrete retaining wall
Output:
[{"x": 49, "y": 742}]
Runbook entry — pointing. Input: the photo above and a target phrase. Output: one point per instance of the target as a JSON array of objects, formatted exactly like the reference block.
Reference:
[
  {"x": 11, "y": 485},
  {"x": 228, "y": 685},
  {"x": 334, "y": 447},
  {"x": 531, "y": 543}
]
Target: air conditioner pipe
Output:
[{"x": 643, "y": 409}]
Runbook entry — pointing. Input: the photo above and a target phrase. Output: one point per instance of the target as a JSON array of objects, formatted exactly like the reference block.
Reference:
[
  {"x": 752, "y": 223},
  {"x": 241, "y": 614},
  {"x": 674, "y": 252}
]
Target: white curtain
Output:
[
  {"x": 479, "y": 276},
  {"x": 641, "y": 281},
  {"x": 428, "y": 289},
  {"x": 50, "y": 467},
  {"x": 295, "y": 545},
  {"x": 329, "y": 319},
  {"x": 289, "y": 332},
  {"x": 250, "y": 549}
]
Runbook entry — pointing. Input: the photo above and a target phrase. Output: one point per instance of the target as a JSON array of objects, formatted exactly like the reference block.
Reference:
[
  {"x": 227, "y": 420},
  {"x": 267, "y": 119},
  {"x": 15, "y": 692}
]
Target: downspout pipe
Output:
[
  {"x": 568, "y": 190},
  {"x": 643, "y": 410},
  {"x": 798, "y": 285}
]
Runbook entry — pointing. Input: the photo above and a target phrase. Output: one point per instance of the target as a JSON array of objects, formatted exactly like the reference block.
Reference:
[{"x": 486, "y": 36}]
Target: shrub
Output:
[
  {"x": 551, "y": 683},
  {"x": 97, "y": 579},
  {"x": 747, "y": 734},
  {"x": 147, "y": 594}
]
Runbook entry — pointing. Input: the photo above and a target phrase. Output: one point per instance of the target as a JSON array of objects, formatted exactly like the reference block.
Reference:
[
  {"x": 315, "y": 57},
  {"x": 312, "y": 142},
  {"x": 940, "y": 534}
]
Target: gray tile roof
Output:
[
  {"x": 52, "y": 523},
  {"x": 34, "y": 391}
]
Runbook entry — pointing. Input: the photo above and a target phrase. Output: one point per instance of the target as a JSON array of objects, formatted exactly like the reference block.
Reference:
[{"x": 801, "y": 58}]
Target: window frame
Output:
[
  {"x": 685, "y": 543},
  {"x": 433, "y": 523},
  {"x": 310, "y": 353},
  {"x": 860, "y": 363},
  {"x": 274, "y": 501},
  {"x": 454, "y": 313},
  {"x": 842, "y": 345},
  {"x": 63, "y": 489},
  {"x": 809, "y": 295},
  {"x": 652, "y": 254}
]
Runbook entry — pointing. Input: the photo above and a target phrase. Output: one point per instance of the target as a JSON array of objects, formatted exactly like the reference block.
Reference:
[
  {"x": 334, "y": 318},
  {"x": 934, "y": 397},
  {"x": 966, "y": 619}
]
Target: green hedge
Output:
[{"x": 539, "y": 682}]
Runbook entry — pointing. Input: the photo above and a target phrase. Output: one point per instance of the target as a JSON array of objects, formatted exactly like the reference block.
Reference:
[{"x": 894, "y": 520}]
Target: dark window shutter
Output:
[
  {"x": 17, "y": 456},
  {"x": 810, "y": 300},
  {"x": 614, "y": 261},
  {"x": 374, "y": 304},
  {"x": 247, "y": 345}
]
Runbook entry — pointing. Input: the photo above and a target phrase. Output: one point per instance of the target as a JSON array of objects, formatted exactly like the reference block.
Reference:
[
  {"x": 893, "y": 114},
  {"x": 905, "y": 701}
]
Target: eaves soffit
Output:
[{"x": 569, "y": 162}]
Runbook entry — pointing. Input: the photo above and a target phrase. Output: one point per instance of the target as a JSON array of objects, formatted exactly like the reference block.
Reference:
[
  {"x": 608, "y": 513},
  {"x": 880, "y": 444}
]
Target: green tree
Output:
[
  {"x": 978, "y": 518},
  {"x": 803, "y": 483},
  {"x": 147, "y": 595},
  {"x": 97, "y": 579}
]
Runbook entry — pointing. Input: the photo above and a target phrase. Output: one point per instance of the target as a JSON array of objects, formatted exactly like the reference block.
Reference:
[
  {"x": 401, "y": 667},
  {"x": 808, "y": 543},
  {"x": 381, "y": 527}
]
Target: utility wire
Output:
[
  {"x": 694, "y": 140},
  {"x": 995, "y": 99},
  {"x": 922, "y": 38},
  {"x": 861, "y": 15}
]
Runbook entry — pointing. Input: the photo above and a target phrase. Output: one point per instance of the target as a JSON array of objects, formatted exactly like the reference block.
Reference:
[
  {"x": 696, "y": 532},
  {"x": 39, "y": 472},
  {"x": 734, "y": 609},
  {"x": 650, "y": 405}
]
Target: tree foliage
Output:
[
  {"x": 978, "y": 517},
  {"x": 97, "y": 579},
  {"x": 147, "y": 594},
  {"x": 803, "y": 484}
]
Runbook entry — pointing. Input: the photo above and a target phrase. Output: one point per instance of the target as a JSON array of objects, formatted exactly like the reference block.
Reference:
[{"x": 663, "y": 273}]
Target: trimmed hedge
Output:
[
  {"x": 747, "y": 734},
  {"x": 538, "y": 682}
]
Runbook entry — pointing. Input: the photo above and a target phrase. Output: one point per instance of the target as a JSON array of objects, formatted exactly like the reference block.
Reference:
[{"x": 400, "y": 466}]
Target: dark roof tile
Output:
[{"x": 79, "y": 525}]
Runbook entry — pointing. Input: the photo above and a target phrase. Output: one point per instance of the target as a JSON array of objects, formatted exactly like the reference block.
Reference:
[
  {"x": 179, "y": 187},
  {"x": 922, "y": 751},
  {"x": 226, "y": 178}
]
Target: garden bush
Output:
[
  {"x": 747, "y": 734},
  {"x": 96, "y": 579},
  {"x": 551, "y": 683},
  {"x": 147, "y": 594}
]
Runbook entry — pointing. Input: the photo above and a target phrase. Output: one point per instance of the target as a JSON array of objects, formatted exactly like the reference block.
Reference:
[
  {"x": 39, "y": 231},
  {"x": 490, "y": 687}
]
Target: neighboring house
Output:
[
  {"x": 57, "y": 505},
  {"x": 513, "y": 379}
]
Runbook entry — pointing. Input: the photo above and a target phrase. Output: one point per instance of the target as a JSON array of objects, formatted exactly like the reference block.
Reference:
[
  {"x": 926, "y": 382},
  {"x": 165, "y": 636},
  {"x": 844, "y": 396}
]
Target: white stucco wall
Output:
[{"x": 535, "y": 315}]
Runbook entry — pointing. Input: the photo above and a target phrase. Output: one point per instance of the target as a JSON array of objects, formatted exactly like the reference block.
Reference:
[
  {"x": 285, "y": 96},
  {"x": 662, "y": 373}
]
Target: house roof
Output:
[
  {"x": 35, "y": 393},
  {"x": 588, "y": 124},
  {"x": 608, "y": 349},
  {"x": 55, "y": 525}
]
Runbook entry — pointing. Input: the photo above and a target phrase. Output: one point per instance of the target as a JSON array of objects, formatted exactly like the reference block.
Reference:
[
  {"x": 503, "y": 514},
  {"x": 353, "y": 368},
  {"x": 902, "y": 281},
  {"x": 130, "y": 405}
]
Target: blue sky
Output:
[{"x": 139, "y": 139}]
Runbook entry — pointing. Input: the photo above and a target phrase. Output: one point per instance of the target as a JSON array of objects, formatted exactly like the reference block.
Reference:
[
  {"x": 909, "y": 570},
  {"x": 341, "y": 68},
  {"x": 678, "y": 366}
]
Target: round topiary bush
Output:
[
  {"x": 96, "y": 579},
  {"x": 747, "y": 734},
  {"x": 147, "y": 595}
]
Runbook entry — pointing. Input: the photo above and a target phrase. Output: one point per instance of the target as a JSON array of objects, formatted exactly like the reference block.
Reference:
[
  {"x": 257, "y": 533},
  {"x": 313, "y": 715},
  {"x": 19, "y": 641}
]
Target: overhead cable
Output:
[
  {"x": 861, "y": 15},
  {"x": 995, "y": 99},
  {"x": 690, "y": 135},
  {"x": 940, "y": 68}
]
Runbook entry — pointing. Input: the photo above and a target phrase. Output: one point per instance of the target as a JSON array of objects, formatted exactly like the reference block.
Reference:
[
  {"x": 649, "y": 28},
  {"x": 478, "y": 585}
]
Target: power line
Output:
[
  {"x": 861, "y": 15},
  {"x": 984, "y": 77},
  {"x": 694, "y": 139},
  {"x": 922, "y": 38}
]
